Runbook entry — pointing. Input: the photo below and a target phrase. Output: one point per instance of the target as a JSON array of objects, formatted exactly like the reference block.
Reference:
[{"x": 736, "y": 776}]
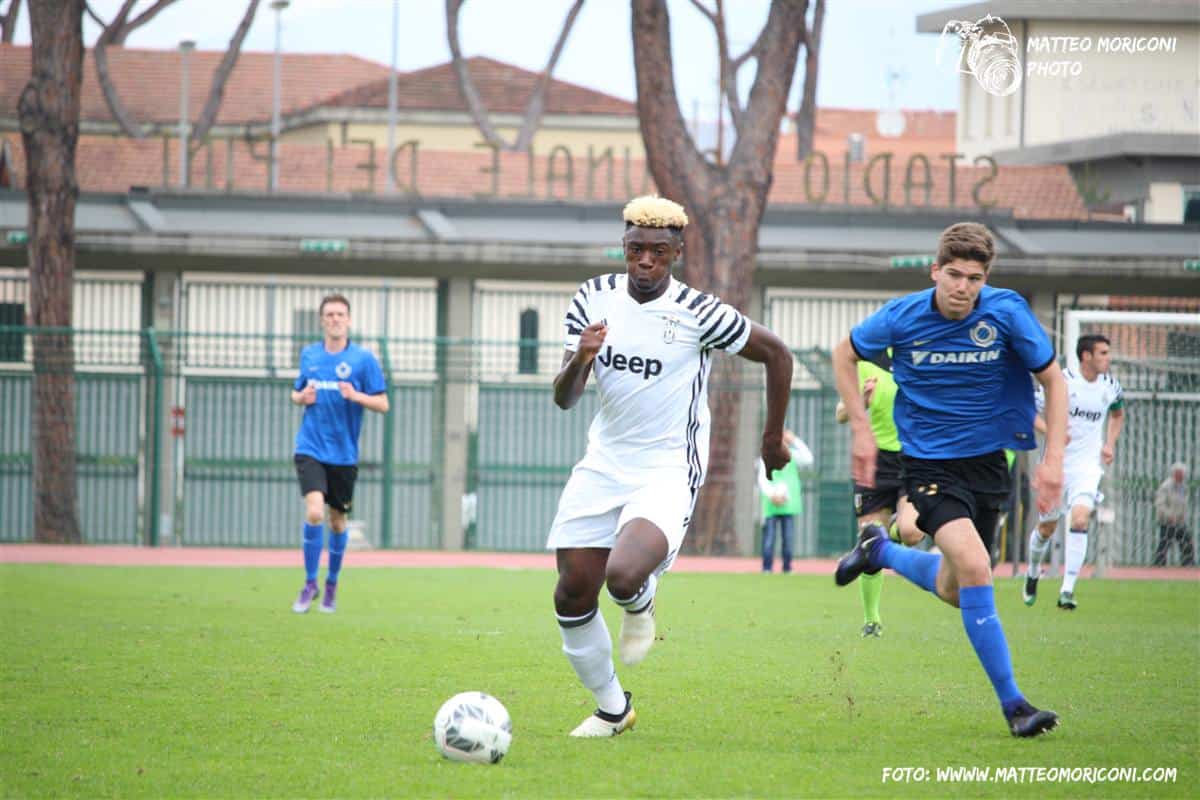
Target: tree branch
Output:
[
  {"x": 534, "y": 109},
  {"x": 780, "y": 47},
  {"x": 465, "y": 84},
  {"x": 754, "y": 51},
  {"x": 680, "y": 171},
  {"x": 728, "y": 72},
  {"x": 537, "y": 101},
  {"x": 806, "y": 115},
  {"x": 138, "y": 21},
  {"x": 8, "y": 22},
  {"x": 95, "y": 17},
  {"x": 703, "y": 10},
  {"x": 216, "y": 91},
  {"x": 115, "y": 106}
]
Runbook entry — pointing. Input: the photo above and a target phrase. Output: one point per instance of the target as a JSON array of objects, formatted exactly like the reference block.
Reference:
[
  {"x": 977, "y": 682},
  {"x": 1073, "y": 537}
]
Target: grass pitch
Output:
[{"x": 188, "y": 682}]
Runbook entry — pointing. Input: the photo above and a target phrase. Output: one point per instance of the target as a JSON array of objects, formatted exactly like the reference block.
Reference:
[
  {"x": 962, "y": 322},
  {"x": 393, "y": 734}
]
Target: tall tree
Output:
[
  {"x": 724, "y": 201},
  {"x": 49, "y": 115}
]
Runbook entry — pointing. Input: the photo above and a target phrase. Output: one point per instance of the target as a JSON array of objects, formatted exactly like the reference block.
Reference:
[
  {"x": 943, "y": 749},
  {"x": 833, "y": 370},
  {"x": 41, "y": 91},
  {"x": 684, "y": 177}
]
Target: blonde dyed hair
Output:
[{"x": 651, "y": 211}]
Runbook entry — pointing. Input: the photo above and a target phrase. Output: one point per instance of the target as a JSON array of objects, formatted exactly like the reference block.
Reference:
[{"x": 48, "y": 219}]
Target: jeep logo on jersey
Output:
[
  {"x": 983, "y": 334},
  {"x": 342, "y": 370},
  {"x": 1090, "y": 416},
  {"x": 646, "y": 367},
  {"x": 968, "y": 357}
]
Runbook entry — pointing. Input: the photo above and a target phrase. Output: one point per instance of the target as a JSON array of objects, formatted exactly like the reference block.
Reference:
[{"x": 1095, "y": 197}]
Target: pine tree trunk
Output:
[
  {"x": 725, "y": 205},
  {"x": 719, "y": 255},
  {"x": 49, "y": 114}
]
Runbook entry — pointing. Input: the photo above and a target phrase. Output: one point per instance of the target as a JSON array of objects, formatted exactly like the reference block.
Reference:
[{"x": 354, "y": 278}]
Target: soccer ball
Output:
[{"x": 472, "y": 726}]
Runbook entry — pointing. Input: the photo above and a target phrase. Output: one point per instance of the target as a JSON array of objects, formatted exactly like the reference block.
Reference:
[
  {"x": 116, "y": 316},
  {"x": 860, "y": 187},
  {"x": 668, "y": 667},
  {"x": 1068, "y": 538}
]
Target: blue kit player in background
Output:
[
  {"x": 337, "y": 380},
  {"x": 962, "y": 355}
]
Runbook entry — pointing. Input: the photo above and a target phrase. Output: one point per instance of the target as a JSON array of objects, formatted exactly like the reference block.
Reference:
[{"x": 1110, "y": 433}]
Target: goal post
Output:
[{"x": 1156, "y": 359}]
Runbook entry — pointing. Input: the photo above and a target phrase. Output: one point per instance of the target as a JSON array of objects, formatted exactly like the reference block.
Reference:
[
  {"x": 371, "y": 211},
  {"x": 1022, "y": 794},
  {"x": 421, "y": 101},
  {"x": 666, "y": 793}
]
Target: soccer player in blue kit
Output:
[
  {"x": 337, "y": 380},
  {"x": 962, "y": 355}
]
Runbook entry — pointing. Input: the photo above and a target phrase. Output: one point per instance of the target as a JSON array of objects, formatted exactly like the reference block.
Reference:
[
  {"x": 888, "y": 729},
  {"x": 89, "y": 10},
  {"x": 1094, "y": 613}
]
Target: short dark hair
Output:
[
  {"x": 333, "y": 298},
  {"x": 969, "y": 241},
  {"x": 1088, "y": 342}
]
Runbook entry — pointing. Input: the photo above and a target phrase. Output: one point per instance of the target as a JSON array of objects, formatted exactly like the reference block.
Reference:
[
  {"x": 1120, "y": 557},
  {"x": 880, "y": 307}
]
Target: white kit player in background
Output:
[
  {"x": 1095, "y": 415},
  {"x": 649, "y": 341}
]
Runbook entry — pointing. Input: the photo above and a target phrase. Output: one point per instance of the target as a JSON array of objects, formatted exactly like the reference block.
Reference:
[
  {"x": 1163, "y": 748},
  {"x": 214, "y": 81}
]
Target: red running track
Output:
[{"x": 122, "y": 555}]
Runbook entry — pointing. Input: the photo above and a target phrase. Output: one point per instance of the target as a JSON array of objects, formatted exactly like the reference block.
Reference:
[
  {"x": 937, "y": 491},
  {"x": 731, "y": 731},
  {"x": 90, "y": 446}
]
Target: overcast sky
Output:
[{"x": 865, "y": 41}]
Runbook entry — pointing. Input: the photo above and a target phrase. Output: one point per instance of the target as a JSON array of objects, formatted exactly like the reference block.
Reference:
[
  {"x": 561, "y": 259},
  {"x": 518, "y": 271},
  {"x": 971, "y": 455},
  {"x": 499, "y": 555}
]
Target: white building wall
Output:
[
  {"x": 1113, "y": 92},
  {"x": 1078, "y": 83}
]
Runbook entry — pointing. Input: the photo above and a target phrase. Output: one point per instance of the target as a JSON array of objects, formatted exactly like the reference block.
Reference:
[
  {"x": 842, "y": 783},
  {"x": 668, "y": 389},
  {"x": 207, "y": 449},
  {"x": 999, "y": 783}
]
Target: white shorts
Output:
[
  {"x": 595, "y": 506},
  {"x": 1081, "y": 487}
]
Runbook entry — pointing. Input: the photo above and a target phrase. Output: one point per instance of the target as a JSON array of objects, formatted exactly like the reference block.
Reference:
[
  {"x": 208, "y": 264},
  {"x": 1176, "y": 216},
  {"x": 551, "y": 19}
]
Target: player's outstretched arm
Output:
[
  {"x": 862, "y": 446},
  {"x": 1048, "y": 477},
  {"x": 572, "y": 377},
  {"x": 764, "y": 347}
]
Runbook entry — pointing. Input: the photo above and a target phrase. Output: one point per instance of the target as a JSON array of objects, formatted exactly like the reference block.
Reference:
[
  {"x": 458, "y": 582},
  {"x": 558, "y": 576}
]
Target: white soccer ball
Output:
[{"x": 473, "y": 726}]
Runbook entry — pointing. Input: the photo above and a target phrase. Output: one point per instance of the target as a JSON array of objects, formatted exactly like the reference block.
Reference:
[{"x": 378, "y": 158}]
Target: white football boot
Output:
[{"x": 596, "y": 726}]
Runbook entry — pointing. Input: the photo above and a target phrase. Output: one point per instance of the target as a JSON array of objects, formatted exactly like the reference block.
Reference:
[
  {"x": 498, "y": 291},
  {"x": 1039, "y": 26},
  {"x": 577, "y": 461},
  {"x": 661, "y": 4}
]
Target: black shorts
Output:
[
  {"x": 943, "y": 490},
  {"x": 335, "y": 481},
  {"x": 889, "y": 485}
]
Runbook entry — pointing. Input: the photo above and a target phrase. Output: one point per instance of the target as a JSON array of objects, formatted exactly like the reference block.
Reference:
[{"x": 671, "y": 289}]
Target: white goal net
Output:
[{"x": 1156, "y": 358}]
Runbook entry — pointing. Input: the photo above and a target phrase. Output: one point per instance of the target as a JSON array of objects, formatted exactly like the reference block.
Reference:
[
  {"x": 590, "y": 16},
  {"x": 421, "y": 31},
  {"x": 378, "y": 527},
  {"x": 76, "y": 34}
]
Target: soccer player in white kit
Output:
[
  {"x": 648, "y": 339},
  {"x": 1095, "y": 416}
]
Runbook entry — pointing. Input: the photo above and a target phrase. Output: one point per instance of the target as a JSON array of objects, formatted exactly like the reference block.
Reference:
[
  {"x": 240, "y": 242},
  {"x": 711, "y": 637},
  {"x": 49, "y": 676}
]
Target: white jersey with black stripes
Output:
[
  {"x": 1088, "y": 406},
  {"x": 652, "y": 374}
]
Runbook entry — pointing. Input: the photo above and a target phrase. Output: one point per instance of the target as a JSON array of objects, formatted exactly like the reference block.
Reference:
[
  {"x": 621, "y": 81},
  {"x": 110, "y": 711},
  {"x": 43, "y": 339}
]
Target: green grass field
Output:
[{"x": 168, "y": 682}]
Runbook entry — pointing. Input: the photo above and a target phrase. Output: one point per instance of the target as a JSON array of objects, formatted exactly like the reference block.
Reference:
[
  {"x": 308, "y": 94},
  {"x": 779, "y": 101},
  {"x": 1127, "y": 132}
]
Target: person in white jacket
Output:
[{"x": 782, "y": 500}]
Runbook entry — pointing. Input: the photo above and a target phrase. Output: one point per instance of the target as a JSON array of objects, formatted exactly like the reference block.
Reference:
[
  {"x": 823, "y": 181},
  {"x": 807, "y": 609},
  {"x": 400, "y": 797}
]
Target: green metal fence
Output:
[
  {"x": 187, "y": 438},
  {"x": 524, "y": 450},
  {"x": 220, "y": 472},
  {"x": 114, "y": 401}
]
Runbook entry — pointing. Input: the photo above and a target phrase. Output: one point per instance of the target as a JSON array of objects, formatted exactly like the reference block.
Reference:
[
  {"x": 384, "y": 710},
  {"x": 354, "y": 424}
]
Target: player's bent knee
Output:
[
  {"x": 575, "y": 594},
  {"x": 1081, "y": 516},
  {"x": 975, "y": 574},
  {"x": 624, "y": 582}
]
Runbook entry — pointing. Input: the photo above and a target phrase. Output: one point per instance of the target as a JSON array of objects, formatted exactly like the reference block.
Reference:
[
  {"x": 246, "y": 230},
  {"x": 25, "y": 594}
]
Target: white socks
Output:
[
  {"x": 1076, "y": 551},
  {"x": 642, "y": 601},
  {"x": 588, "y": 646},
  {"x": 1038, "y": 548}
]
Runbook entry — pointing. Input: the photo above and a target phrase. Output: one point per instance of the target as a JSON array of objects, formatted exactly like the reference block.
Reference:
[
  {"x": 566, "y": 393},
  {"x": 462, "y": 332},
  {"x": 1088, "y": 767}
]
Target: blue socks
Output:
[
  {"x": 978, "y": 605},
  {"x": 919, "y": 567},
  {"x": 312, "y": 550},
  {"x": 337, "y": 549}
]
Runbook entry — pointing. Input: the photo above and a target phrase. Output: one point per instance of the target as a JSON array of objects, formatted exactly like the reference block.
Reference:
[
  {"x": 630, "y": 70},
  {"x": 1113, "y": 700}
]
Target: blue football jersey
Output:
[
  {"x": 965, "y": 387},
  {"x": 330, "y": 428}
]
